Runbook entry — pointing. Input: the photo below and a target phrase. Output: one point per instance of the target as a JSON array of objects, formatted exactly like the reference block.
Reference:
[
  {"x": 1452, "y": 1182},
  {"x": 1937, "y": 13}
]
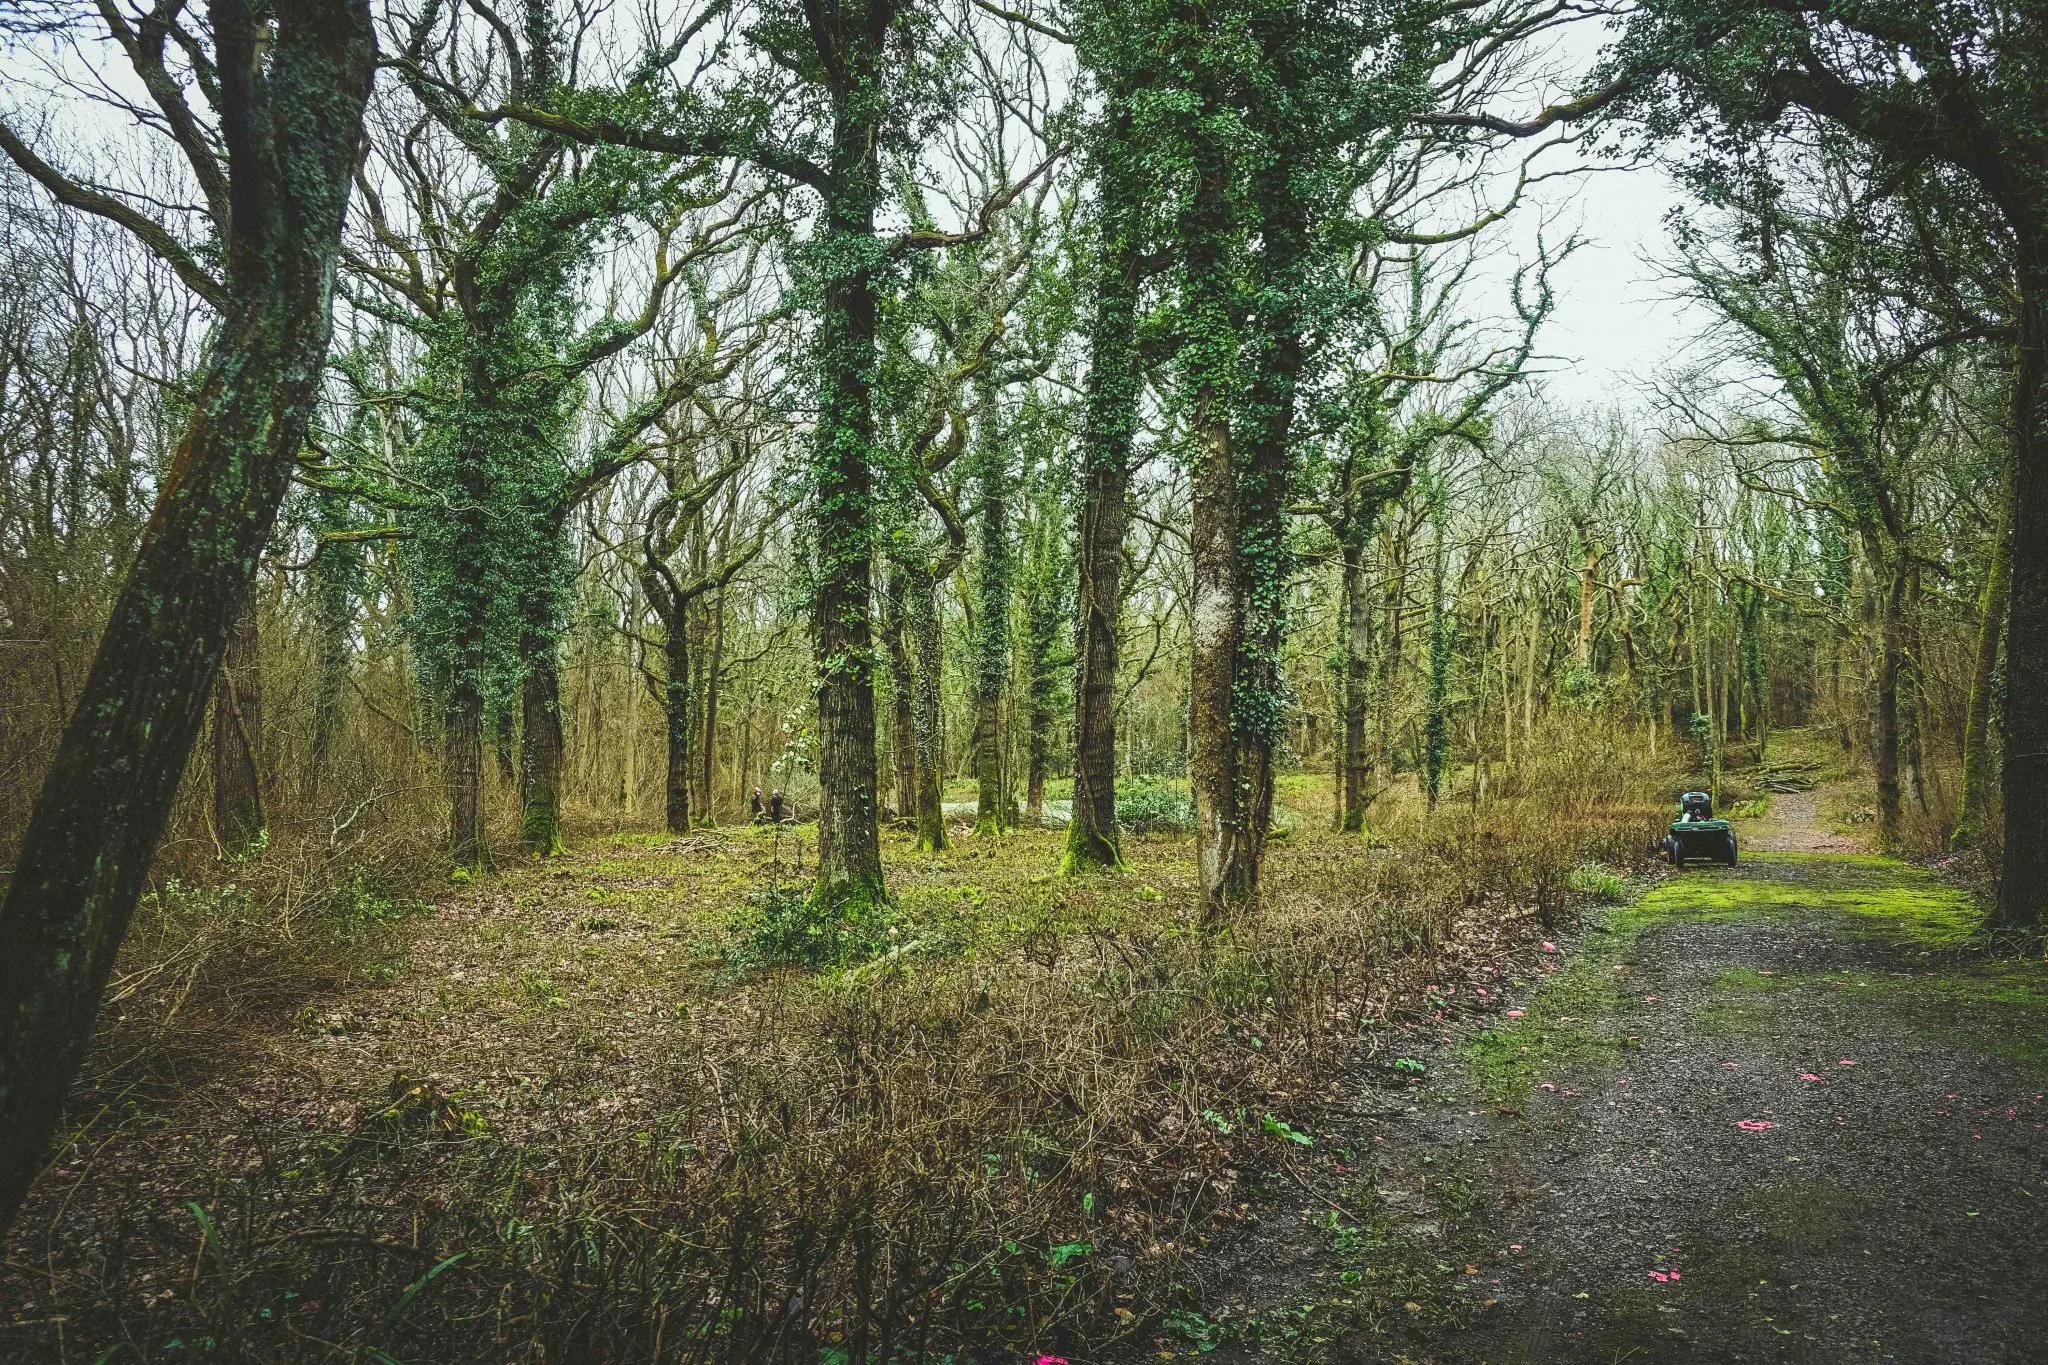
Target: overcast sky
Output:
[{"x": 1615, "y": 324}]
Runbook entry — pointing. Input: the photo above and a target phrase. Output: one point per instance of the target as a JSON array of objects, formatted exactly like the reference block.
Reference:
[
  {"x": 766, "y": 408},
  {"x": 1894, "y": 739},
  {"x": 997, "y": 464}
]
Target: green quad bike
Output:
[{"x": 1697, "y": 834}]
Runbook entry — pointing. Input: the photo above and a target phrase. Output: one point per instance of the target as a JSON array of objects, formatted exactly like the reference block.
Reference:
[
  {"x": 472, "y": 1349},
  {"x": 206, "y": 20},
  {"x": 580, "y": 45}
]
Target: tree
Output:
[
  {"x": 288, "y": 96},
  {"x": 1856, "y": 365},
  {"x": 1919, "y": 82}
]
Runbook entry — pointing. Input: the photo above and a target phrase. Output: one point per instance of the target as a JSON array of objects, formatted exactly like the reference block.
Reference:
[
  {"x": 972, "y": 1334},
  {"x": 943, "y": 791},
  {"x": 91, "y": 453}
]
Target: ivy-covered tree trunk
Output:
[
  {"x": 1397, "y": 545},
  {"x": 238, "y": 737},
  {"x": 1041, "y": 683},
  {"x": 1357, "y": 689},
  {"x": 335, "y": 572},
  {"x": 921, "y": 612},
  {"x": 1110, "y": 422},
  {"x": 2023, "y": 887},
  {"x": 540, "y": 748},
  {"x": 902, "y": 730},
  {"x": 842, "y": 507},
  {"x": 292, "y": 90},
  {"x": 1436, "y": 728},
  {"x": 1891, "y": 646},
  {"x": 1225, "y": 856},
  {"x": 462, "y": 771},
  {"x": 676, "y": 708},
  {"x": 1991, "y": 617},
  {"x": 707, "y": 755},
  {"x": 992, "y": 633}
]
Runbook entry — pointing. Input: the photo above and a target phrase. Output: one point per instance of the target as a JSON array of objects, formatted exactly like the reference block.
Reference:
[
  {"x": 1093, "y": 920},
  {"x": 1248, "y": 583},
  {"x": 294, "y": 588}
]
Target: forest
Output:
[{"x": 909, "y": 680}]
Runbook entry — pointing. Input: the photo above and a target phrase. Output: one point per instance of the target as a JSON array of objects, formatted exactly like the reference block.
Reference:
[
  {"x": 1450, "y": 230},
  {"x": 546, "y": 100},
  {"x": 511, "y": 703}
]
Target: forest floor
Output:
[{"x": 1785, "y": 1111}]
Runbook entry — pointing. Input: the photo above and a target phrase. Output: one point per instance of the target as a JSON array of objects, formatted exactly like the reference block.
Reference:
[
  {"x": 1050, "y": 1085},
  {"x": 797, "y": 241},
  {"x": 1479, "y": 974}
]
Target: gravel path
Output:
[{"x": 1813, "y": 1139}]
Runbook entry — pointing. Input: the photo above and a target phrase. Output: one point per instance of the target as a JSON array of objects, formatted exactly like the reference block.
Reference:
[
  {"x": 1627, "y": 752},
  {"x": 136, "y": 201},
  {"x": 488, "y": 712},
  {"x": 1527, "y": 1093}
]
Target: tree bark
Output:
[
  {"x": 540, "y": 749},
  {"x": 237, "y": 738},
  {"x": 462, "y": 773},
  {"x": 842, "y": 509},
  {"x": 902, "y": 729},
  {"x": 922, "y": 611},
  {"x": 2023, "y": 887},
  {"x": 992, "y": 638},
  {"x": 1991, "y": 616},
  {"x": 676, "y": 709},
  {"x": 1891, "y": 648},
  {"x": 1357, "y": 685},
  {"x": 708, "y": 745},
  {"x": 1110, "y": 424},
  {"x": 1225, "y": 859},
  {"x": 292, "y": 106}
]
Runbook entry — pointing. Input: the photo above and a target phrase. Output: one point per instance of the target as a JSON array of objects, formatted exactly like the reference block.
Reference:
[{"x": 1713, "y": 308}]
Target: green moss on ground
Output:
[{"x": 1569, "y": 1022}]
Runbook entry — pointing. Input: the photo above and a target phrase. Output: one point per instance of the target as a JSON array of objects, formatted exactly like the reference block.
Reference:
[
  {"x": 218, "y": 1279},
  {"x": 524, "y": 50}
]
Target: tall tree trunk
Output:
[
  {"x": 1224, "y": 854},
  {"x": 842, "y": 505},
  {"x": 291, "y": 118},
  {"x": 237, "y": 738},
  {"x": 921, "y": 605},
  {"x": 1110, "y": 423},
  {"x": 1436, "y": 733},
  {"x": 902, "y": 729},
  {"x": 676, "y": 710},
  {"x": 1912, "y": 697},
  {"x": 334, "y": 602},
  {"x": 1891, "y": 648},
  {"x": 629, "y": 779},
  {"x": 1357, "y": 688},
  {"x": 540, "y": 749},
  {"x": 1991, "y": 614},
  {"x": 992, "y": 636},
  {"x": 715, "y": 605},
  {"x": 462, "y": 773},
  {"x": 1394, "y": 604},
  {"x": 1588, "y": 584},
  {"x": 505, "y": 745},
  {"x": 2023, "y": 887}
]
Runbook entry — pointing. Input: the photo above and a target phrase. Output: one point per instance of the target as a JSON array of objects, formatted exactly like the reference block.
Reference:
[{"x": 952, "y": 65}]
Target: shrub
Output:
[
  {"x": 1153, "y": 806},
  {"x": 1597, "y": 882}
]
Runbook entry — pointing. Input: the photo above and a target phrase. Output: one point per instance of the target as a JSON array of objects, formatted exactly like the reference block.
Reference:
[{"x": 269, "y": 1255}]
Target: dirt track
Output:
[{"x": 1790, "y": 1121}]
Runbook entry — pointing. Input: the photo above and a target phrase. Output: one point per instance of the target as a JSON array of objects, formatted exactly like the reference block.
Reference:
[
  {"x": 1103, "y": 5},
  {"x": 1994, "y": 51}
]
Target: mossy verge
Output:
[{"x": 1570, "y": 1019}]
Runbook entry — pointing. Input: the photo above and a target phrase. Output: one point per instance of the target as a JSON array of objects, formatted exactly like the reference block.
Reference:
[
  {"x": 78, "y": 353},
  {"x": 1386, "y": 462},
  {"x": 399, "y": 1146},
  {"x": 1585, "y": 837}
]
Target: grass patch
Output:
[
  {"x": 1897, "y": 901},
  {"x": 1568, "y": 1022},
  {"x": 2000, "y": 1007}
]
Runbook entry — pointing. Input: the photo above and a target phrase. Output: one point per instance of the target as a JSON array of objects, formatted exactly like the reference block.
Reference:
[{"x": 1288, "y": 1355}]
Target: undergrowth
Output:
[{"x": 639, "y": 1103}]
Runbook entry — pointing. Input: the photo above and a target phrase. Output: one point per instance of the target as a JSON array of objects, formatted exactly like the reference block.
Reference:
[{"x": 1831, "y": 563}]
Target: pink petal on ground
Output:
[
  {"x": 1808, "y": 1076},
  {"x": 1514, "y": 1246},
  {"x": 1514, "y": 1014},
  {"x": 1754, "y": 1125},
  {"x": 1674, "y": 1274},
  {"x": 1845, "y": 1062},
  {"x": 1659, "y": 1276},
  {"x": 1731, "y": 1065},
  {"x": 1549, "y": 947},
  {"x": 1546, "y": 1086},
  {"x": 1052, "y": 1360},
  {"x": 1480, "y": 989}
]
